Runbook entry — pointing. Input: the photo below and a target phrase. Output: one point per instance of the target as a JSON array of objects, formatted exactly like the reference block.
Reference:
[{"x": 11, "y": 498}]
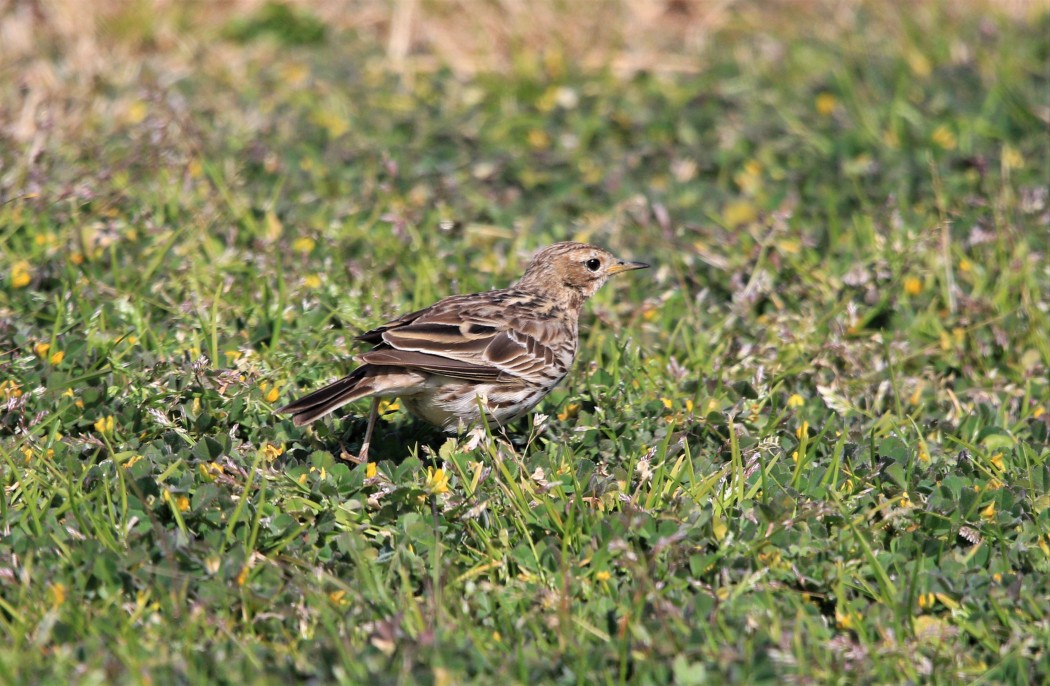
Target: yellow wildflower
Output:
[
  {"x": 303, "y": 245},
  {"x": 826, "y": 103},
  {"x": 803, "y": 430},
  {"x": 989, "y": 512},
  {"x": 41, "y": 349},
  {"x": 57, "y": 591},
  {"x": 796, "y": 400},
  {"x": 538, "y": 139},
  {"x": 750, "y": 177},
  {"x": 104, "y": 425},
  {"x": 919, "y": 63},
  {"x": 739, "y": 212},
  {"x": 9, "y": 389},
  {"x": 569, "y": 411},
  {"x": 436, "y": 482},
  {"x": 912, "y": 285},
  {"x": 845, "y": 620},
  {"x": 332, "y": 122},
  {"x": 58, "y": 356},
  {"x": 370, "y": 470},
  {"x": 211, "y": 470},
  {"x": 944, "y": 138},
  {"x": 1012, "y": 158},
  {"x": 21, "y": 274},
  {"x": 312, "y": 281},
  {"x": 926, "y": 600},
  {"x": 602, "y": 576},
  {"x": 135, "y": 112},
  {"x": 388, "y": 405},
  {"x": 997, "y": 461},
  {"x": 272, "y": 452},
  {"x": 270, "y": 392},
  {"x": 182, "y": 503}
]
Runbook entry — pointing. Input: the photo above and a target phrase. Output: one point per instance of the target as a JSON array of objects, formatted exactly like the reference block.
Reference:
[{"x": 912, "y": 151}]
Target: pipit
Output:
[{"x": 502, "y": 350}]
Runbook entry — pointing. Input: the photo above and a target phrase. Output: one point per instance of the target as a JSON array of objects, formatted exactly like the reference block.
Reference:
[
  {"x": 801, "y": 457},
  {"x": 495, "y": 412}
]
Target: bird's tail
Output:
[{"x": 333, "y": 396}]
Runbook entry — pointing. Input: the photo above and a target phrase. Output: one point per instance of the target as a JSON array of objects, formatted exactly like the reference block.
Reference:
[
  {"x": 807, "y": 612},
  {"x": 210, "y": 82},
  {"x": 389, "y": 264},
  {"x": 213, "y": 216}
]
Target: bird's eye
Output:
[{"x": 593, "y": 264}]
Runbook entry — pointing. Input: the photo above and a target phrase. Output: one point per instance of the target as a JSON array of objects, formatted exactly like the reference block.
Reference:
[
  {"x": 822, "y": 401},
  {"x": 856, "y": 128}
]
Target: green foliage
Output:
[
  {"x": 810, "y": 444},
  {"x": 287, "y": 25}
]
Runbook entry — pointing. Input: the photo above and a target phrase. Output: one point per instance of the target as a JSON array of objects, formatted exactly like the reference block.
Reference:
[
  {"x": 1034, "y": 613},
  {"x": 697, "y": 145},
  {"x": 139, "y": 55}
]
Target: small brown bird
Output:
[{"x": 508, "y": 347}]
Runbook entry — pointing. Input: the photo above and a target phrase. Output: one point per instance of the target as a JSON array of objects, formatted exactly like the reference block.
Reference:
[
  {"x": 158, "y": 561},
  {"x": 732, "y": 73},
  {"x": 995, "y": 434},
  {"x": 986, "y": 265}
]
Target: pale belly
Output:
[{"x": 455, "y": 405}]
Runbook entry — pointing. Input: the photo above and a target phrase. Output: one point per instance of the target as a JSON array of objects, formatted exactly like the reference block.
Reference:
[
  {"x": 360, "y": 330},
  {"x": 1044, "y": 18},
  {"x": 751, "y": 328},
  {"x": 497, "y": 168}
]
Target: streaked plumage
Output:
[{"x": 509, "y": 347}]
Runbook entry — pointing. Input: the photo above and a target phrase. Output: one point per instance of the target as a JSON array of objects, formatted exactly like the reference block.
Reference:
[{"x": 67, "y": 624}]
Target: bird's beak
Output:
[{"x": 624, "y": 266}]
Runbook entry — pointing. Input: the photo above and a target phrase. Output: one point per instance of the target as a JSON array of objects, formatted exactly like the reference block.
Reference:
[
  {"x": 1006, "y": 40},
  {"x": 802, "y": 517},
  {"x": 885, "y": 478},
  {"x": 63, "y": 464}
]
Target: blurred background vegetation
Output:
[{"x": 811, "y": 444}]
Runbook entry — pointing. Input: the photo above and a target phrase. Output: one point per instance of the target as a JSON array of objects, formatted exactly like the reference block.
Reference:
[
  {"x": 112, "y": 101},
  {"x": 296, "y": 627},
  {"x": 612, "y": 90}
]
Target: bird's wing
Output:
[
  {"x": 433, "y": 364},
  {"x": 376, "y": 335},
  {"x": 484, "y": 337}
]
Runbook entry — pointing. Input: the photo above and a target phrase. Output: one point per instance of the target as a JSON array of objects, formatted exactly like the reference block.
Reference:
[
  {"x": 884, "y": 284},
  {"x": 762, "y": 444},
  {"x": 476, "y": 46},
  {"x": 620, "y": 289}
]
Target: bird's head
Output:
[{"x": 576, "y": 269}]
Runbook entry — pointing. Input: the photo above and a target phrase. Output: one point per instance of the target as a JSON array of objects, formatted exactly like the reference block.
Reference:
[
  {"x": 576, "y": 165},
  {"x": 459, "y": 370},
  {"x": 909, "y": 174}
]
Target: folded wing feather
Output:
[{"x": 460, "y": 342}]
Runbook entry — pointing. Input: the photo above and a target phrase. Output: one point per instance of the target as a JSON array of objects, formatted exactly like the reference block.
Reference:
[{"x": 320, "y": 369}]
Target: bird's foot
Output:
[
  {"x": 361, "y": 458},
  {"x": 347, "y": 456}
]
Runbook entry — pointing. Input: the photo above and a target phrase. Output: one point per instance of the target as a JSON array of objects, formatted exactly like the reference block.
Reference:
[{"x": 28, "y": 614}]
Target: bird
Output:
[{"x": 496, "y": 353}]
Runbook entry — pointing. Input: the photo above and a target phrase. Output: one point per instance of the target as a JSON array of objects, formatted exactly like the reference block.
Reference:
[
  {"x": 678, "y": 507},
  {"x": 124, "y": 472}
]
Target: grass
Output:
[{"x": 809, "y": 445}]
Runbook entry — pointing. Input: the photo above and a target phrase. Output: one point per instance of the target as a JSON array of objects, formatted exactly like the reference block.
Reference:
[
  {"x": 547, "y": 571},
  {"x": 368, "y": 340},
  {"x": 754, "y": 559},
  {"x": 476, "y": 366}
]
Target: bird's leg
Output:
[{"x": 373, "y": 415}]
